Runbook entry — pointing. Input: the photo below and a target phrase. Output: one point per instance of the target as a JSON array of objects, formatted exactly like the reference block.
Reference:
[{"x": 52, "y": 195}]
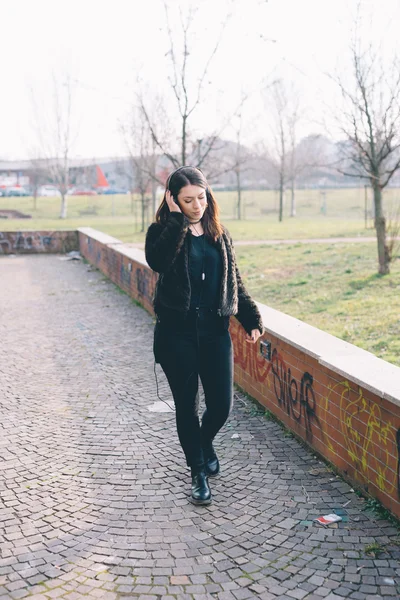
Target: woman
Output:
[{"x": 198, "y": 289}]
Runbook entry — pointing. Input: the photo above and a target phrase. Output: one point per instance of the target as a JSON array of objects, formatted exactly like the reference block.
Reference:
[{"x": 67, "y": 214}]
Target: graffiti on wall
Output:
[
  {"x": 24, "y": 241},
  {"x": 144, "y": 283},
  {"x": 250, "y": 361},
  {"x": 5, "y": 244},
  {"x": 369, "y": 439},
  {"x": 37, "y": 242},
  {"x": 125, "y": 275},
  {"x": 296, "y": 398}
]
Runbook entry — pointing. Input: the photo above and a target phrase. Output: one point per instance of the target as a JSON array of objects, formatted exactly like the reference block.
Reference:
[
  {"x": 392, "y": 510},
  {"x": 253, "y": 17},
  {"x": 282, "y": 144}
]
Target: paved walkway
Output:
[
  {"x": 93, "y": 487},
  {"x": 332, "y": 240}
]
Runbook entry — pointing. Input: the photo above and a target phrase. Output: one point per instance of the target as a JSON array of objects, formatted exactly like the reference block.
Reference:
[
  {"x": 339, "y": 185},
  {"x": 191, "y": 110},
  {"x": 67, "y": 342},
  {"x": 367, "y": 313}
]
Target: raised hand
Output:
[{"x": 172, "y": 205}]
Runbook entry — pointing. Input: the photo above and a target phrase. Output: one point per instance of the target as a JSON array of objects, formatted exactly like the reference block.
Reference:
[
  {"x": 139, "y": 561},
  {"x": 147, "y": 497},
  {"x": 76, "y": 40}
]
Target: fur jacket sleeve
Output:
[
  {"x": 163, "y": 242},
  {"x": 167, "y": 253},
  {"x": 248, "y": 313}
]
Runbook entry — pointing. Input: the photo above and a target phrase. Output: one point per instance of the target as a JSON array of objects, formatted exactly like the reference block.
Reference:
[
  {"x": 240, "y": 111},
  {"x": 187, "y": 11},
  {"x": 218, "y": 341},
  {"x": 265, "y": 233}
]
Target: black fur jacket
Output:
[{"x": 167, "y": 253}]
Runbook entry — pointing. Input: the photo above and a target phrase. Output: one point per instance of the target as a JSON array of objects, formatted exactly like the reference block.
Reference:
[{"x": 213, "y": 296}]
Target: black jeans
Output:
[{"x": 198, "y": 346}]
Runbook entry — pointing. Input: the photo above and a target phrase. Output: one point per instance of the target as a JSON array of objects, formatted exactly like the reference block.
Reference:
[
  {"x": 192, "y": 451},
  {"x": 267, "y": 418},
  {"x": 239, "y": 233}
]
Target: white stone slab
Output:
[
  {"x": 356, "y": 364},
  {"x": 351, "y": 362},
  {"x": 99, "y": 236},
  {"x": 134, "y": 254}
]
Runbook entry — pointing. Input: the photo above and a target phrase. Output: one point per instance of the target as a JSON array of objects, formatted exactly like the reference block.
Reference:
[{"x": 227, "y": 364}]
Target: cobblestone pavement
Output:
[{"x": 93, "y": 486}]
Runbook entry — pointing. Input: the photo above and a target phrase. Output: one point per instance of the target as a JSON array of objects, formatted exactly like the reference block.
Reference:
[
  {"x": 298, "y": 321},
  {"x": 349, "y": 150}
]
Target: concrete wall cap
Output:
[
  {"x": 133, "y": 253},
  {"x": 349, "y": 361},
  {"x": 99, "y": 236}
]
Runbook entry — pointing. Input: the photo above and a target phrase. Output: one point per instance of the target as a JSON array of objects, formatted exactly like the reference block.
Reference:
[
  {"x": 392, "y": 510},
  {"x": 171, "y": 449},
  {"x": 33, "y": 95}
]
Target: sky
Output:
[{"x": 107, "y": 48}]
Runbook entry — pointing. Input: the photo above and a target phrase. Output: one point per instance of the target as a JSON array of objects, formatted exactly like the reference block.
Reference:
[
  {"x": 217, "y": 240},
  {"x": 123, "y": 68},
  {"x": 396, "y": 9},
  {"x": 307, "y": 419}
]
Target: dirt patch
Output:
[
  {"x": 13, "y": 214},
  {"x": 280, "y": 273}
]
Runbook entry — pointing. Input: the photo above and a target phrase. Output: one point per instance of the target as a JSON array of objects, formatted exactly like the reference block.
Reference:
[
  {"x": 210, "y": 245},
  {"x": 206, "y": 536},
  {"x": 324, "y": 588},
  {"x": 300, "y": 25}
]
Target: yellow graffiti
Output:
[{"x": 369, "y": 442}]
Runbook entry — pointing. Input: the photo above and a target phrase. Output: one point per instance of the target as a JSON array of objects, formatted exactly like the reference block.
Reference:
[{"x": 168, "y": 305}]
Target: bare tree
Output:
[
  {"x": 393, "y": 229},
  {"x": 370, "y": 122},
  {"x": 305, "y": 156},
  {"x": 278, "y": 153},
  {"x": 140, "y": 145},
  {"x": 237, "y": 168},
  {"x": 286, "y": 154},
  {"x": 240, "y": 159},
  {"x": 187, "y": 96},
  {"x": 37, "y": 175},
  {"x": 56, "y": 134},
  {"x": 293, "y": 157}
]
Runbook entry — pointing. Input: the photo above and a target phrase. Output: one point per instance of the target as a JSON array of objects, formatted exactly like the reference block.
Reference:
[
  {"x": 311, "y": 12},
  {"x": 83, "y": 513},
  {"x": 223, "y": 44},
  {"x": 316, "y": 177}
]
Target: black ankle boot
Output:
[
  {"x": 211, "y": 461},
  {"x": 201, "y": 493},
  {"x": 212, "y": 466}
]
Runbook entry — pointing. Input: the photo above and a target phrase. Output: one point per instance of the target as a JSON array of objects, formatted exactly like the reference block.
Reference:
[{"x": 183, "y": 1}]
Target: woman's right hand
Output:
[{"x": 172, "y": 205}]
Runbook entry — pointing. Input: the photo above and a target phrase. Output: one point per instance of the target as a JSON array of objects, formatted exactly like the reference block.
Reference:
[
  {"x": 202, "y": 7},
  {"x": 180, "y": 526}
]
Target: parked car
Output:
[
  {"x": 113, "y": 190},
  {"x": 15, "y": 191},
  {"x": 82, "y": 192},
  {"x": 49, "y": 191}
]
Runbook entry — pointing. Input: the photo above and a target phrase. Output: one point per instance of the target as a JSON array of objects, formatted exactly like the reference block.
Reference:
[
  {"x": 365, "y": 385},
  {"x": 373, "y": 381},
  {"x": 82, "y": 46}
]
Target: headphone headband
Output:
[{"x": 179, "y": 169}]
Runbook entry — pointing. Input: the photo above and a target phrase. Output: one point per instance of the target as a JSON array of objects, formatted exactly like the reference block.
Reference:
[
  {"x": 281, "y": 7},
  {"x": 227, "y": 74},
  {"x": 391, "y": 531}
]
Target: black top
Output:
[{"x": 204, "y": 258}]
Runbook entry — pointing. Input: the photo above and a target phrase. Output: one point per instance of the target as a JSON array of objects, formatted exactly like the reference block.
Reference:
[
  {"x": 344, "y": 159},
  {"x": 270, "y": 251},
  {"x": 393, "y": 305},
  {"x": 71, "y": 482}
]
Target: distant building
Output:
[{"x": 83, "y": 172}]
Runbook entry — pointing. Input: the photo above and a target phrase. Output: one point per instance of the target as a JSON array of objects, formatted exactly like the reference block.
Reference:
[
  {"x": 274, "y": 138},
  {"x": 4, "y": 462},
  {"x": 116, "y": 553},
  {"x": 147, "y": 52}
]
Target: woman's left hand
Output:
[{"x": 253, "y": 337}]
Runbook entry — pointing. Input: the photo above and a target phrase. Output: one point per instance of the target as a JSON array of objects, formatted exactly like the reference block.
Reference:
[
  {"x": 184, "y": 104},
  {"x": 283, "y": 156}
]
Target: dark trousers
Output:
[{"x": 199, "y": 346}]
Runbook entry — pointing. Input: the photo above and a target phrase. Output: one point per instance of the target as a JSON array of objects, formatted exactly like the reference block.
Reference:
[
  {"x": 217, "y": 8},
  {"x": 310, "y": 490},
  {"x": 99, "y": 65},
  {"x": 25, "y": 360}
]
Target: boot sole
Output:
[
  {"x": 209, "y": 474},
  {"x": 200, "y": 502},
  {"x": 213, "y": 473}
]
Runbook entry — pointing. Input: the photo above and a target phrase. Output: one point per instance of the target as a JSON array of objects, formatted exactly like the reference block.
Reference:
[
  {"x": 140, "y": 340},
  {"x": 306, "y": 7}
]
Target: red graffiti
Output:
[{"x": 247, "y": 355}]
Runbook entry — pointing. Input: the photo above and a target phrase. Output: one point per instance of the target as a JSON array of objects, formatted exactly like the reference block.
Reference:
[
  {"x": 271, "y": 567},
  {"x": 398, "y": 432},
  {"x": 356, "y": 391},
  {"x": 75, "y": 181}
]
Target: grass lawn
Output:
[
  {"x": 125, "y": 228},
  {"x": 118, "y": 216},
  {"x": 125, "y": 224},
  {"x": 333, "y": 287}
]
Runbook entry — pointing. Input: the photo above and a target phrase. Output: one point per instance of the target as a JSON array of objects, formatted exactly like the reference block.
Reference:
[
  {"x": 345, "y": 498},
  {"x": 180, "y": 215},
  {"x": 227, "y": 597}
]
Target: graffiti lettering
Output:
[
  {"x": 5, "y": 245},
  {"x": 247, "y": 357},
  {"x": 125, "y": 276},
  {"x": 30, "y": 242},
  {"x": 297, "y": 400},
  {"x": 370, "y": 440},
  {"x": 300, "y": 405},
  {"x": 143, "y": 283}
]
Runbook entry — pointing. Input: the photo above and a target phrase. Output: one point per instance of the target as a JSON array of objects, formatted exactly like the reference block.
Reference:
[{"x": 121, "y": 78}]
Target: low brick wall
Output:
[
  {"x": 126, "y": 267},
  {"x": 38, "y": 242},
  {"x": 341, "y": 400}
]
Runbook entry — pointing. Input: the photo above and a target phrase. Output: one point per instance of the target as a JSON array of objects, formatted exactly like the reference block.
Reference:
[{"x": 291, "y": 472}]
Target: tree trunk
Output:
[
  {"x": 35, "y": 192},
  {"x": 63, "y": 212},
  {"x": 135, "y": 204},
  {"x": 143, "y": 210},
  {"x": 292, "y": 200},
  {"x": 132, "y": 202},
  {"x": 380, "y": 226},
  {"x": 153, "y": 197},
  {"x": 184, "y": 140},
  {"x": 239, "y": 196},
  {"x": 281, "y": 197}
]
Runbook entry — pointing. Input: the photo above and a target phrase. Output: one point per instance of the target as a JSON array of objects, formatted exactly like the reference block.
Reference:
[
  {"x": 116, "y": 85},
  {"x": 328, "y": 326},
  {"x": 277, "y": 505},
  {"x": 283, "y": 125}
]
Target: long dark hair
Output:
[{"x": 192, "y": 176}]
